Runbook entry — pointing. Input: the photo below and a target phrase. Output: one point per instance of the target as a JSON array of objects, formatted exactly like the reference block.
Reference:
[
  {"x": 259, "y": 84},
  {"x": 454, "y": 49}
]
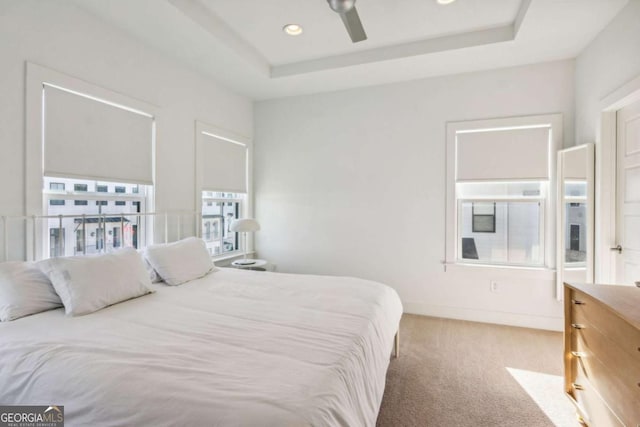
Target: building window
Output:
[
  {"x": 56, "y": 242},
  {"x": 98, "y": 226},
  {"x": 218, "y": 211},
  {"x": 79, "y": 241},
  {"x": 120, "y": 189},
  {"x": 499, "y": 174},
  {"x": 56, "y": 186},
  {"x": 483, "y": 217}
]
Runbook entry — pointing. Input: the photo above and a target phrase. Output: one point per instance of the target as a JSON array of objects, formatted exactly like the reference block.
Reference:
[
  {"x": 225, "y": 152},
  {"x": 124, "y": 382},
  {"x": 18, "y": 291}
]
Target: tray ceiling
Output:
[{"x": 241, "y": 43}]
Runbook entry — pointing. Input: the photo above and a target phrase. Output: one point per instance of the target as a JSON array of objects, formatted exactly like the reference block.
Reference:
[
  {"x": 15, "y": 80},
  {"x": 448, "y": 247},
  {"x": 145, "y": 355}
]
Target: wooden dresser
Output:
[{"x": 602, "y": 353}]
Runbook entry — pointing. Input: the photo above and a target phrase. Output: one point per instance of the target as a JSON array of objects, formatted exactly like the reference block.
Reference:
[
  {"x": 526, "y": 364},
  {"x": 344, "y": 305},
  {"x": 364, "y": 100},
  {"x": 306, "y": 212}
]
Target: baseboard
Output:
[{"x": 486, "y": 316}]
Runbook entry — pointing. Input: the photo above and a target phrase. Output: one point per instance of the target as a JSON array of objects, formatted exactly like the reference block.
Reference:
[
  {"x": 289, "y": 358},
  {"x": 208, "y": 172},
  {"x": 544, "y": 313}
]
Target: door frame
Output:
[{"x": 606, "y": 176}]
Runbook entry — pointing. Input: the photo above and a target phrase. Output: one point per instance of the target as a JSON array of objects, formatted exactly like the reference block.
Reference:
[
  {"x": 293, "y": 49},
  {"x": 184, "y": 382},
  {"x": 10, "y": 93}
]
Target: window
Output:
[
  {"x": 56, "y": 242},
  {"x": 483, "y": 217},
  {"x": 97, "y": 226},
  {"x": 56, "y": 186},
  {"x": 120, "y": 189},
  {"x": 501, "y": 223},
  {"x": 222, "y": 175},
  {"x": 498, "y": 195},
  {"x": 80, "y": 241},
  {"x": 218, "y": 211},
  {"x": 73, "y": 123}
]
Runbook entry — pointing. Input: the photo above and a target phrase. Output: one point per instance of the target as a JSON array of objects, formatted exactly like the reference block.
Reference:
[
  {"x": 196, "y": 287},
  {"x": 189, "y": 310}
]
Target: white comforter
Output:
[{"x": 236, "y": 348}]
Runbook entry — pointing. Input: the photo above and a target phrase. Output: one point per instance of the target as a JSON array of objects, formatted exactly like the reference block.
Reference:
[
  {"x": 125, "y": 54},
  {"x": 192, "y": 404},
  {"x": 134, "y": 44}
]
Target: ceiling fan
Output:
[{"x": 350, "y": 18}]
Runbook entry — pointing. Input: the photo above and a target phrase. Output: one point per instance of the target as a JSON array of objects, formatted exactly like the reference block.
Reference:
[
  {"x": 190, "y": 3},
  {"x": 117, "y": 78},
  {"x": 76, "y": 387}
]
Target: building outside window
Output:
[
  {"x": 218, "y": 211},
  {"x": 56, "y": 186},
  {"x": 95, "y": 227},
  {"x": 501, "y": 222}
]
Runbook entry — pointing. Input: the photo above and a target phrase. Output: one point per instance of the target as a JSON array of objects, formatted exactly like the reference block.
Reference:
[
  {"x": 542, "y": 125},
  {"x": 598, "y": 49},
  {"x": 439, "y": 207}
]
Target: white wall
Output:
[
  {"x": 60, "y": 36},
  {"x": 608, "y": 62},
  {"x": 353, "y": 183}
]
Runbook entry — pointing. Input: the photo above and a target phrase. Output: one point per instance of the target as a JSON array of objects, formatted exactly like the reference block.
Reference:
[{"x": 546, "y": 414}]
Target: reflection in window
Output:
[{"x": 576, "y": 233}]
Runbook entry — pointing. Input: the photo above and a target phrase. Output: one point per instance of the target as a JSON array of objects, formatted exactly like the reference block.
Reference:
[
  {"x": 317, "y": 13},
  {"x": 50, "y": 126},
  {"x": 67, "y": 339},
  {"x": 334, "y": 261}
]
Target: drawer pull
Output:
[
  {"x": 577, "y": 302},
  {"x": 577, "y": 386},
  {"x": 577, "y": 326},
  {"x": 578, "y": 353}
]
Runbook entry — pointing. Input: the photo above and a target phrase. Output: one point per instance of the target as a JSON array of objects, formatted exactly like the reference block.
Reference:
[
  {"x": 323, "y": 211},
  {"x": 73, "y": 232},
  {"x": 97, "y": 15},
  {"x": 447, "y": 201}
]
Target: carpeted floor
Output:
[{"x": 453, "y": 373}]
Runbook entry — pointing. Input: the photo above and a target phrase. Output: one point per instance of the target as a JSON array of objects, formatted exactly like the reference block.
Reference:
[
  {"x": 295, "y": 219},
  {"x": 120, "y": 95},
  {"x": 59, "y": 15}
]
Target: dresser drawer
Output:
[
  {"x": 586, "y": 309},
  {"x": 591, "y": 407},
  {"x": 608, "y": 379},
  {"x": 623, "y": 366}
]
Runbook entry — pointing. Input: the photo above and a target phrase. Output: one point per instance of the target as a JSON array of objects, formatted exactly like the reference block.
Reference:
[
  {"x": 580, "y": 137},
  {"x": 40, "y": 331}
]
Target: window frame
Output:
[
  {"x": 203, "y": 129},
  {"x": 555, "y": 122},
  {"x": 37, "y": 77}
]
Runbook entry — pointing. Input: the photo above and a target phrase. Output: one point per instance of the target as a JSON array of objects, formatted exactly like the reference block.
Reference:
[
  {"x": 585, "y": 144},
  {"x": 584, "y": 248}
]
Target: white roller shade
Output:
[
  {"x": 88, "y": 138},
  {"x": 503, "y": 154},
  {"x": 224, "y": 165}
]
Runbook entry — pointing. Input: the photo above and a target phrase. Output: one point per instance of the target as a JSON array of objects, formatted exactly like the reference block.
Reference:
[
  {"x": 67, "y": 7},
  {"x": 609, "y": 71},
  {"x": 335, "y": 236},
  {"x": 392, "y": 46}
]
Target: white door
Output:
[{"x": 628, "y": 195}]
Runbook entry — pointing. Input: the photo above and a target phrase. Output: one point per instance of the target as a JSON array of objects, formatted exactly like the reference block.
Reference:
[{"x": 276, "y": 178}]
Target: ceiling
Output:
[
  {"x": 387, "y": 23},
  {"x": 241, "y": 43}
]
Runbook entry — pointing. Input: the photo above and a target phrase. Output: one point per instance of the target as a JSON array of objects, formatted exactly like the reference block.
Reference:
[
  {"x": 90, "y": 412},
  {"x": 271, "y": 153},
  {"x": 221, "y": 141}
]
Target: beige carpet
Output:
[{"x": 453, "y": 373}]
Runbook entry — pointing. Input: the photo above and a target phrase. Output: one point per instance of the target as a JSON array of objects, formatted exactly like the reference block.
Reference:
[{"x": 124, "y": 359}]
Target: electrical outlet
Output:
[{"x": 493, "y": 286}]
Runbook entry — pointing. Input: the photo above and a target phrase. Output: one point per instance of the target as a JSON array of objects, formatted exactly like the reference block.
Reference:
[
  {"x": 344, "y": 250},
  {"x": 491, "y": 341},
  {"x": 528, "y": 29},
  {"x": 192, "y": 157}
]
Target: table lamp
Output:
[{"x": 245, "y": 226}]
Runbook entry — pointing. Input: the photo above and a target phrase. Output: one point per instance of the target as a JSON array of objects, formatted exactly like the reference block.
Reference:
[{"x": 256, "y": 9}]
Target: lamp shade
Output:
[{"x": 245, "y": 225}]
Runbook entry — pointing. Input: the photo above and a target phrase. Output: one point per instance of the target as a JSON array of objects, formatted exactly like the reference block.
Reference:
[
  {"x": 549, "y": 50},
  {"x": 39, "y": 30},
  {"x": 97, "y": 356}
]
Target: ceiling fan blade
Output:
[{"x": 354, "y": 26}]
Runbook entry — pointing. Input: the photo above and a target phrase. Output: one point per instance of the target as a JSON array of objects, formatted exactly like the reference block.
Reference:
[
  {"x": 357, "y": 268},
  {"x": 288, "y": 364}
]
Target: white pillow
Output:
[
  {"x": 181, "y": 261},
  {"x": 24, "y": 290},
  {"x": 87, "y": 284},
  {"x": 153, "y": 276}
]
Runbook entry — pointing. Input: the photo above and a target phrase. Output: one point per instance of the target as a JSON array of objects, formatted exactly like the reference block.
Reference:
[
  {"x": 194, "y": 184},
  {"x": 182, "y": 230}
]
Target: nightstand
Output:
[{"x": 258, "y": 265}]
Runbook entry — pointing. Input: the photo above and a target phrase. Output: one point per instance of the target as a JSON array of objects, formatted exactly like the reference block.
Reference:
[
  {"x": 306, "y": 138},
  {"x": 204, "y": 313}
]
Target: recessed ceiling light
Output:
[
  {"x": 445, "y": 1},
  {"x": 292, "y": 29}
]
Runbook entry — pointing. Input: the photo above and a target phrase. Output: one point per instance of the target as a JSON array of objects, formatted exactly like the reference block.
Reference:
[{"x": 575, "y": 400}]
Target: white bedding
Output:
[{"x": 236, "y": 348}]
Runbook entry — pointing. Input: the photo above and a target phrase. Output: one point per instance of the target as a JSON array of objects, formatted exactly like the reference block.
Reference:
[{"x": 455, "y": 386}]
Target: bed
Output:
[{"x": 235, "y": 348}]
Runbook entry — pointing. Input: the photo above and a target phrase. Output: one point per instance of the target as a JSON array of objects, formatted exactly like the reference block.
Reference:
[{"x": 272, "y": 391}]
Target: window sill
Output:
[
  {"x": 226, "y": 259},
  {"x": 495, "y": 271}
]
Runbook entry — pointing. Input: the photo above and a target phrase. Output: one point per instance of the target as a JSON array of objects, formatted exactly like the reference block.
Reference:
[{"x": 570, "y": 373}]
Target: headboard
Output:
[{"x": 38, "y": 237}]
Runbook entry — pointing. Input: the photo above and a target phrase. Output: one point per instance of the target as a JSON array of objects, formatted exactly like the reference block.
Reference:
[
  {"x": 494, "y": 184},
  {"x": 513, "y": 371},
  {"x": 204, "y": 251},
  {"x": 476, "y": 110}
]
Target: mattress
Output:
[{"x": 236, "y": 348}]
